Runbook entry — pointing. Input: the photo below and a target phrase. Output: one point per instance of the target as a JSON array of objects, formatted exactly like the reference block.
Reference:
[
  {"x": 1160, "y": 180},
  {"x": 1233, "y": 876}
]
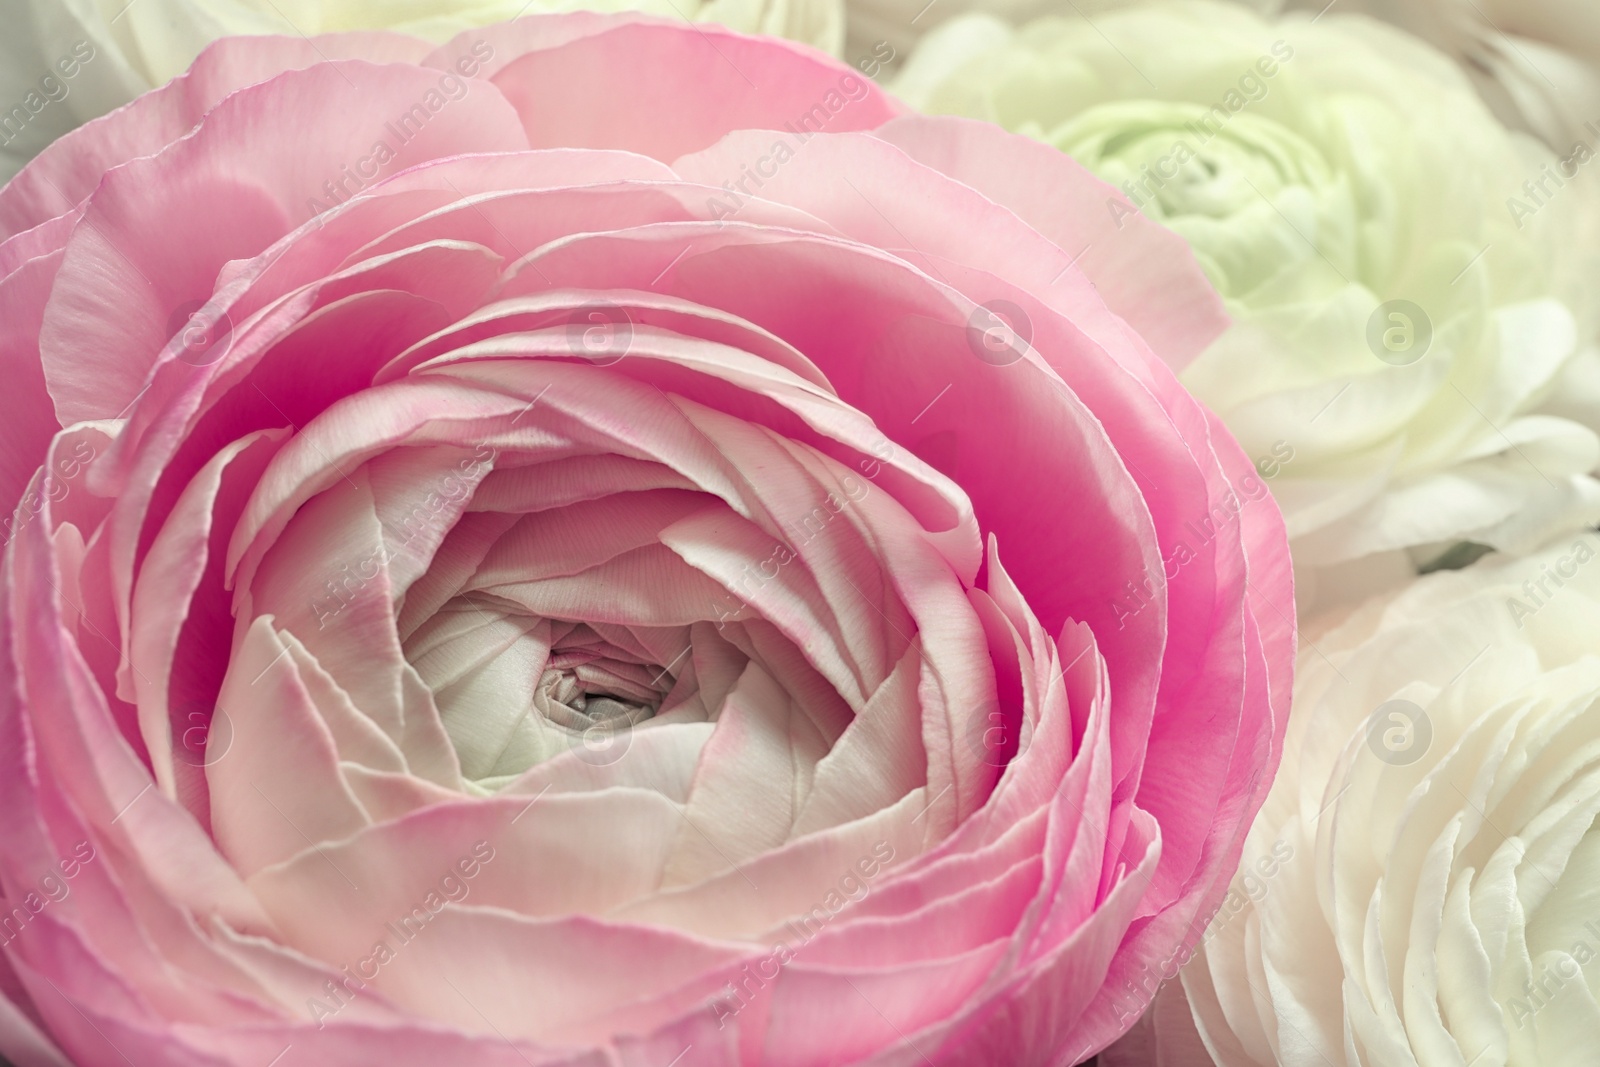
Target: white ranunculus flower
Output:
[
  {"x": 1405, "y": 363},
  {"x": 902, "y": 23},
  {"x": 1437, "y": 800},
  {"x": 1536, "y": 62},
  {"x": 63, "y": 62}
]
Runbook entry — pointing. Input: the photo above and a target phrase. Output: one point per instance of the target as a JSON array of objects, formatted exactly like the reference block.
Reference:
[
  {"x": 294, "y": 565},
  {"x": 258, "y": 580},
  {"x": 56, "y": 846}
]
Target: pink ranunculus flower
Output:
[{"x": 602, "y": 543}]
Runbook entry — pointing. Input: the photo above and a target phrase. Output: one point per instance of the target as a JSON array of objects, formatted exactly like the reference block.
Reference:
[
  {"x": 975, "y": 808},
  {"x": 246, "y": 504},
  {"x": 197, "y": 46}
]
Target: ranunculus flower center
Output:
[
  {"x": 515, "y": 688},
  {"x": 586, "y": 591}
]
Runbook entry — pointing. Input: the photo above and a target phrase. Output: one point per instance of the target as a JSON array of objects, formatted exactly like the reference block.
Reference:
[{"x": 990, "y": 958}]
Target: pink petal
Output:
[
  {"x": 1144, "y": 272},
  {"x": 611, "y": 79},
  {"x": 65, "y": 173},
  {"x": 156, "y": 263}
]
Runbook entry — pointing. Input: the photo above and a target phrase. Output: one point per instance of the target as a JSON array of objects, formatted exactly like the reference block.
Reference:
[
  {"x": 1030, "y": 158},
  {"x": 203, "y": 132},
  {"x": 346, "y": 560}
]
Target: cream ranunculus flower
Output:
[
  {"x": 1536, "y": 62},
  {"x": 64, "y": 62},
  {"x": 1405, "y": 363},
  {"x": 1437, "y": 799}
]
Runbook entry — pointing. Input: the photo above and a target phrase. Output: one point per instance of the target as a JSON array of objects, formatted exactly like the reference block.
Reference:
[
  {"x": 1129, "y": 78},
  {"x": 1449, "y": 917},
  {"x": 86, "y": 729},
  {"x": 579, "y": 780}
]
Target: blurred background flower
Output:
[
  {"x": 1535, "y": 62},
  {"x": 63, "y": 62},
  {"x": 1411, "y": 283},
  {"x": 1438, "y": 794}
]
